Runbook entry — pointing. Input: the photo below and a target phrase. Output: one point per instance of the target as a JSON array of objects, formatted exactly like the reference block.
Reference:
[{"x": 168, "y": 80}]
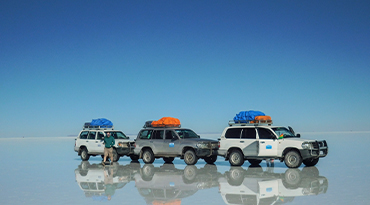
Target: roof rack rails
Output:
[
  {"x": 87, "y": 126},
  {"x": 250, "y": 123}
]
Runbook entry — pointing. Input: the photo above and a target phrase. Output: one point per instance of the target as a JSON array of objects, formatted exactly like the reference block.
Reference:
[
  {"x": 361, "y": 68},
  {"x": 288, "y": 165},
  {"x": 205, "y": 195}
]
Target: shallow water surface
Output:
[{"x": 47, "y": 170}]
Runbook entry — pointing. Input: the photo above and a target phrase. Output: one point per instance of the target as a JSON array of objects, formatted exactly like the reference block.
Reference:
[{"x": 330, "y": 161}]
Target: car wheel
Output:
[
  {"x": 115, "y": 155},
  {"x": 235, "y": 176},
  {"x": 292, "y": 178},
  {"x": 84, "y": 154},
  {"x": 293, "y": 159},
  {"x": 190, "y": 172},
  {"x": 148, "y": 156},
  {"x": 236, "y": 158},
  {"x": 147, "y": 172},
  {"x": 310, "y": 162},
  {"x": 190, "y": 158},
  {"x": 134, "y": 157},
  {"x": 168, "y": 159},
  {"x": 254, "y": 162},
  {"x": 211, "y": 159}
]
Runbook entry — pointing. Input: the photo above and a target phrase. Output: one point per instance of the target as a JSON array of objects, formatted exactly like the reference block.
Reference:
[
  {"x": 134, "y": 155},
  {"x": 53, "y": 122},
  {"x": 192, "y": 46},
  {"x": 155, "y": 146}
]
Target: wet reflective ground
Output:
[{"x": 45, "y": 171}]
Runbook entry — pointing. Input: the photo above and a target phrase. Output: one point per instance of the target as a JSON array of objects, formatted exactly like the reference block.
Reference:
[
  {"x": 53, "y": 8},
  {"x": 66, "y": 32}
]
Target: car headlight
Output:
[
  {"x": 202, "y": 145},
  {"x": 121, "y": 144},
  {"x": 307, "y": 145}
]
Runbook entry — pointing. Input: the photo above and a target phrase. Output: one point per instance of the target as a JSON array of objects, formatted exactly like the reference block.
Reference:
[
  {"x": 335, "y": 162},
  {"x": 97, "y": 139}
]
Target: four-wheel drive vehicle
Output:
[
  {"x": 90, "y": 142},
  {"x": 255, "y": 186},
  {"x": 256, "y": 142},
  {"x": 168, "y": 142}
]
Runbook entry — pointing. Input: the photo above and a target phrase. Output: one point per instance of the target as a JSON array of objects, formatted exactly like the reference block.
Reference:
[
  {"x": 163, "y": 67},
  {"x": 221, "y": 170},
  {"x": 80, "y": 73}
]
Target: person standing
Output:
[{"x": 108, "y": 148}]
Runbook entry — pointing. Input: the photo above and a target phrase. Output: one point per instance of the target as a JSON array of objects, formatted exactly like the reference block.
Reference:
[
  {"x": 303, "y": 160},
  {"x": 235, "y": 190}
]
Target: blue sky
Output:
[{"x": 62, "y": 63}]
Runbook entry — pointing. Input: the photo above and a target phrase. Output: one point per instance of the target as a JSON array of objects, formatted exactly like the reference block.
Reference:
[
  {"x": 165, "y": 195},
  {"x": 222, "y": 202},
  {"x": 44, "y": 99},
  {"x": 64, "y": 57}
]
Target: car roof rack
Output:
[
  {"x": 149, "y": 124},
  {"x": 250, "y": 123},
  {"x": 87, "y": 126}
]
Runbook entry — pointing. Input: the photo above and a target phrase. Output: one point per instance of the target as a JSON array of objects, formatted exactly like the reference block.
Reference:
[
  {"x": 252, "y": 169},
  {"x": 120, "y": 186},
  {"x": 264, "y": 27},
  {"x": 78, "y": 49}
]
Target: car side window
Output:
[
  {"x": 83, "y": 135},
  {"x": 233, "y": 133},
  {"x": 145, "y": 134},
  {"x": 158, "y": 134},
  {"x": 91, "y": 135},
  {"x": 170, "y": 135},
  {"x": 249, "y": 133},
  {"x": 100, "y": 136},
  {"x": 265, "y": 134}
]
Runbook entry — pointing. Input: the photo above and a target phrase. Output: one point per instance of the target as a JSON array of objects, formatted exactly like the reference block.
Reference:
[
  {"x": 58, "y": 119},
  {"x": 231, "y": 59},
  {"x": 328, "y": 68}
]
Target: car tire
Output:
[
  {"x": 84, "y": 154},
  {"x": 310, "y": 162},
  {"x": 211, "y": 159},
  {"x": 168, "y": 159},
  {"x": 235, "y": 176},
  {"x": 115, "y": 155},
  {"x": 190, "y": 157},
  {"x": 293, "y": 159},
  {"x": 254, "y": 162},
  {"x": 190, "y": 173},
  {"x": 134, "y": 157},
  {"x": 292, "y": 178},
  {"x": 236, "y": 158},
  {"x": 148, "y": 156},
  {"x": 147, "y": 172}
]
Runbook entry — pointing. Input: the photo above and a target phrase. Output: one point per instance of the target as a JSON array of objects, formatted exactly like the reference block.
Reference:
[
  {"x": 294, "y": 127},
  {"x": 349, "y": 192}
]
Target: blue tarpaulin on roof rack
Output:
[
  {"x": 246, "y": 116},
  {"x": 102, "y": 122}
]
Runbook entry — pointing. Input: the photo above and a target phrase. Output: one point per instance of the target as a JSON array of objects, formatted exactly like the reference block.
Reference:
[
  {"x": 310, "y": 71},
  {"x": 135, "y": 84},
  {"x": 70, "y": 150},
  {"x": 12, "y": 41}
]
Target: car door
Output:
[
  {"x": 100, "y": 140},
  {"x": 92, "y": 143},
  {"x": 249, "y": 141},
  {"x": 244, "y": 138},
  {"x": 268, "y": 142},
  {"x": 82, "y": 139},
  {"x": 157, "y": 141},
  {"x": 171, "y": 144}
]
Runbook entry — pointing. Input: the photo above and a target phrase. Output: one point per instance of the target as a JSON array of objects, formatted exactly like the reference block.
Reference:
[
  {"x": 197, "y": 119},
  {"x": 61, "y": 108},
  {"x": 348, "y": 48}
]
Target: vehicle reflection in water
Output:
[
  {"x": 169, "y": 185},
  {"x": 100, "y": 183},
  {"x": 255, "y": 186}
]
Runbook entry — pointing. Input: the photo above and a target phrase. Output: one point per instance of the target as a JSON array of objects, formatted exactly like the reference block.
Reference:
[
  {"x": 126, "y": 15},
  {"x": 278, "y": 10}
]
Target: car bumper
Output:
[
  {"x": 206, "y": 152},
  {"x": 313, "y": 153},
  {"x": 125, "y": 150}
]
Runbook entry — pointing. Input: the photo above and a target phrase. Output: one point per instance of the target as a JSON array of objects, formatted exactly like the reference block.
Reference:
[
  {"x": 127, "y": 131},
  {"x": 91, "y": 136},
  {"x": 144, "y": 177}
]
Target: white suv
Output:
[
  {"x": 90, "y": 143},
  {"x": 256, "y": 142}
]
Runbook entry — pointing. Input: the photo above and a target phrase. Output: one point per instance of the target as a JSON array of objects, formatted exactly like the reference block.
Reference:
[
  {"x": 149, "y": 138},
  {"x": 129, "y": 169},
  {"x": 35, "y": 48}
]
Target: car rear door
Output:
[
  {"x": 249, "y": 142},
  {"x": 157, "y": 141},
  {"x": 92, "y": 143}
]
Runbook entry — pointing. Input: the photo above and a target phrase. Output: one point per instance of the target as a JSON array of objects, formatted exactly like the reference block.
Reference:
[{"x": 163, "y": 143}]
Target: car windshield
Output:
[
  {"x": 283, "y": 131},
  {"x": 185, "y": 133},
  {"x": 118, "y": 135}
]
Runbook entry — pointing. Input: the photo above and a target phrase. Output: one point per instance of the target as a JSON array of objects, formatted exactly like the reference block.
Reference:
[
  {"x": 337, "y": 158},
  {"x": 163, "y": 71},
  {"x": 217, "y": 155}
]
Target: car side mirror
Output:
[
  {"x": 298, "y": 135},
  {"x": 128, "y": 137}
]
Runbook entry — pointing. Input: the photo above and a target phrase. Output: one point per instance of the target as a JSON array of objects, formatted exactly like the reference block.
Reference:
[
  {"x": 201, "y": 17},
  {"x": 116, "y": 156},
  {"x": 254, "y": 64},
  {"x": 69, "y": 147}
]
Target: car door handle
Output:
[
  {"x": 262, "y": 142},
  {"x": 241, "y": 141},
  {"x": 151, "y": 141}
]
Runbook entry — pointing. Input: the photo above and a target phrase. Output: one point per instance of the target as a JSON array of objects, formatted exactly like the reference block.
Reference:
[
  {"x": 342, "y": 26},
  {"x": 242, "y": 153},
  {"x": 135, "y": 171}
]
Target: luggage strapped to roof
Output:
[
  {"x": 100, "y": 123},
  {"x": 163, "y": 122}
]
